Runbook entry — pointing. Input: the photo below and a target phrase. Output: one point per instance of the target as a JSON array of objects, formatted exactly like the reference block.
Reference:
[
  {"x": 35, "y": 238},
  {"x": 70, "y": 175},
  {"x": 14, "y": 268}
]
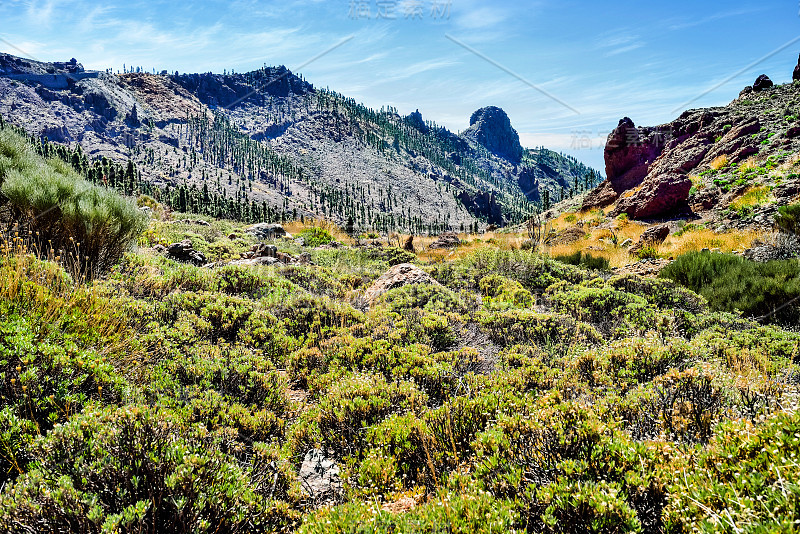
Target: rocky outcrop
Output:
[
  {"x": 796, "y": 73},
  {"x": 568, "y": 236},
  {"x": 491, "y": 128},
  {"x": 415, "y": 120},
  {"x": 264, "y": 231},
  {"x": 184, "y": 252},
  {"x": 648, "y": 169},
  {"x": 658, "y": 195},
  {"x": 762, "y": 82},
  {"x": 398, "y": 276},
  {"x": 483, "y": 204},
  {"x": 653, "y": 236},
  {"x": 263, "y": 254},
  {"x": 446, "y": 240},
  {"x": 628, "y": 154},
  {"x": 231, "y": 91}
]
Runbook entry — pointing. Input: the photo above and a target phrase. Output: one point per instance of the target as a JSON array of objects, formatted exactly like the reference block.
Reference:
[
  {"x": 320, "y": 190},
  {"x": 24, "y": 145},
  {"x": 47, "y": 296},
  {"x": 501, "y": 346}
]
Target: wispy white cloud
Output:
[
  {"x": 619, "y": 42},
  {"x": 481, "y": 18},
  {"x": 685, "y": 24}
]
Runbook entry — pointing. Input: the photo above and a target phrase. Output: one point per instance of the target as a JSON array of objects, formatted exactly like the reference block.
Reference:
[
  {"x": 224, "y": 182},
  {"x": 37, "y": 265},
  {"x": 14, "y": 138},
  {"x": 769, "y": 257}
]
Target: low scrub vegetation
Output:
[{"x": 517, "y": 394}]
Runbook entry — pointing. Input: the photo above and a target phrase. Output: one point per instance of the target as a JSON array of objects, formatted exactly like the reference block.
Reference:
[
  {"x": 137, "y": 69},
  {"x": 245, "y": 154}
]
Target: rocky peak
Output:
[
  {"x": 230, "y": 90},
  {"x": 415, "y": 120},
  {"x": 491, "y": 128},
  {"x": 796, "y": 73},
  {"x": 762, "y": 83}
]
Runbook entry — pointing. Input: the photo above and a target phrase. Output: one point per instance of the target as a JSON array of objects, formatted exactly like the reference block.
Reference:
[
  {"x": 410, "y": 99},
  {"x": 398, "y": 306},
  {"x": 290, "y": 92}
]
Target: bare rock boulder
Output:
[
  {"x": 319, "y": 477},
  {"x": 652, "y": 236},
  {"x": 658, "y": 195},
  {"x": 796, "y": 73},
  {"x": 629, "y": 153},
  {"x": 263, "y": 231},
  {"x": 398, "y": 276},
  {"x": 762, "y": 82},
  {"x": 446, "y": 240},
  {"x": 184, "y": 252}
]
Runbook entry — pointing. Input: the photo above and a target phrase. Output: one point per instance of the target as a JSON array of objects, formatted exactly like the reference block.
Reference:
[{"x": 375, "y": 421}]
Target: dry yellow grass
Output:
[
  {"x": 748, "y": 165},
  {"x": 705, "y": 238},
  {"x": 53, "y": 293},
  {"x": 697, "y": 181},
  {"x": 470, "y": 243},
  {"x": 720, "y": 162},
  {"x": 597, "y": 242},
  {"x": 295, "y": 227}
]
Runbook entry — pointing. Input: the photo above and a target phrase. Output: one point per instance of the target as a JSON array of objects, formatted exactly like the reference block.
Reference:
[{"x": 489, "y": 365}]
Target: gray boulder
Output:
[
  {"x": 263, "y": 231},
  {"x": 184, "y": 252},
  {"x": 319, "y": 477},
  {"x": 398, "y": 276}
]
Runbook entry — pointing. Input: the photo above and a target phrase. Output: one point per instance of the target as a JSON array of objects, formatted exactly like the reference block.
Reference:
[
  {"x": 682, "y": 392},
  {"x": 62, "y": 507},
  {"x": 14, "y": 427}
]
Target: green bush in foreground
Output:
[
  {"x": 66, "y": 215},
  {"x": 731, "y": 283},
  {"x": 132, "y": 469}
]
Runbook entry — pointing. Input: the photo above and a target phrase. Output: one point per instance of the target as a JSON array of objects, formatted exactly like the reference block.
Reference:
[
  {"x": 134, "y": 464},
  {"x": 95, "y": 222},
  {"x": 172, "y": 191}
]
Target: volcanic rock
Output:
[
  {"x": 319, "y": 478},
  {"x": 185, "y": 253},
  {"x": 398, "y": 276},
  {"x": 266, "y": 231},
  {"x": 629, "y": 153},
  {"x": 568, "y": 236},
  {"x": 652, "y": 236},
  {"x": 446, "y": 240},
  {"x": 658, "y": 195},
  {"x": 491, "y": 128},
  {"x": 796, "y": 73},
  {"x": 415, "y": 120},
  {"x": 762, "y": 82}
]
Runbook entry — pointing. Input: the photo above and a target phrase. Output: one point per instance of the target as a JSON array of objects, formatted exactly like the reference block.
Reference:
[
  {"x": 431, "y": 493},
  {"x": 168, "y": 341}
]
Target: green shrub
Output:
[
  {"x": 661, "y": 292},
  {"x": 568, "y": 472},
  {"x": 406, "y": 438},
  {"x": 377, "y": 477},
  {"x": 45, "y": 377},
  {"x": 584, "y": 259},
  {"x": 535, "y": 272},
  {"x": 129, "y": 469},
  {"x": 516, "y": 327},
  {"x": 429, "y": 297},
  {"x": 499, "y": 289},
  {"x": 745, "y": 481},
  {"x": 788, "y": 218},
  {"x": 351, "y": 405},
  {"x": 690, "y": 404},
  {"x": 649, "y": 251},
  {"x": 315, "y": 236},
  {"x": 454, "y": 513},
  {"x": 731, "y": 283},
  {"x": 596, "y": 507},
  {"x": 616, "y": 312},
  {"x": 90, "y": 227}
]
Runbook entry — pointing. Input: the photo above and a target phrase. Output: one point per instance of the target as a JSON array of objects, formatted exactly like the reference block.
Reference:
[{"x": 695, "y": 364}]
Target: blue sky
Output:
[{"x": 565, "y": 71}]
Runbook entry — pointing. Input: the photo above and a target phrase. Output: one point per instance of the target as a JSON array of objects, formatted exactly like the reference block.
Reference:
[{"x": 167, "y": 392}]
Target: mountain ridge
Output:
[{"x": 279, "y": 140}]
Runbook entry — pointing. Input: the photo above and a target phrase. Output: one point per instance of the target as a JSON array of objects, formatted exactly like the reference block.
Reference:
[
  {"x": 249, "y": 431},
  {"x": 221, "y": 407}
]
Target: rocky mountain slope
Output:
[
  {"x": 273, "y": 138},
  {"x": 730, "y": 165}
]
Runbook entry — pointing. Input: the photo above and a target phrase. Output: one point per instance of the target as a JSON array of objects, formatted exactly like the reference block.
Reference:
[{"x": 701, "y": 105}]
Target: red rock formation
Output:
[{"x": 658, "y": 195}]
